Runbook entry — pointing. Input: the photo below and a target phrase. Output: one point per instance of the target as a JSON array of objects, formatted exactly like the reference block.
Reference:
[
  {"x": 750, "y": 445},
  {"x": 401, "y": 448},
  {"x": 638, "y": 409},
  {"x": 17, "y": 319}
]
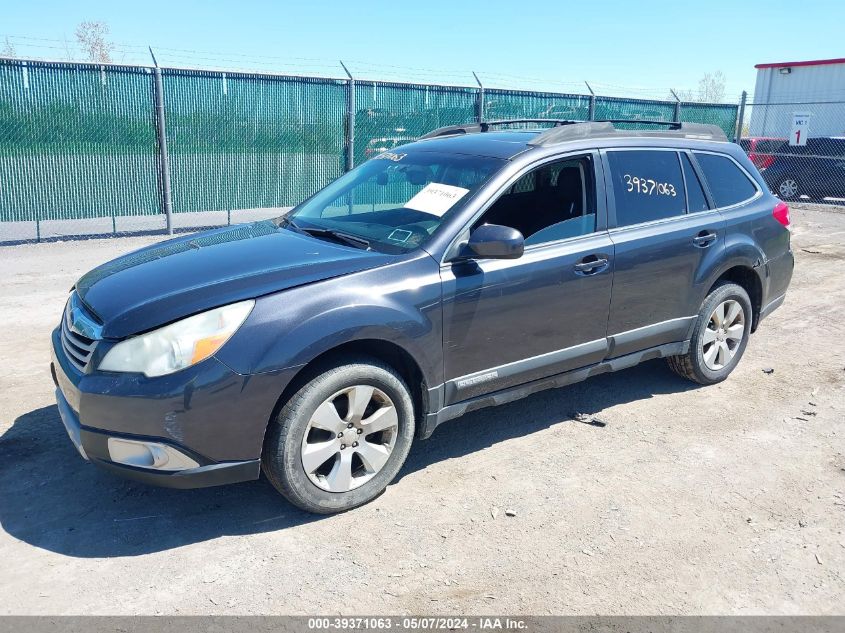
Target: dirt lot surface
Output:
[{"x": 723, "y": 499}]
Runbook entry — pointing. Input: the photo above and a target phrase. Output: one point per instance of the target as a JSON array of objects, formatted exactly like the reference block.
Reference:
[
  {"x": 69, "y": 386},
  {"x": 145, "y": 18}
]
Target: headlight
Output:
[{"x": 179, "y": 344}]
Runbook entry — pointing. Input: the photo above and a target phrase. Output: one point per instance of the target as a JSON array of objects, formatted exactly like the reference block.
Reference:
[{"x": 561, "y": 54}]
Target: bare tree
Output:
[
  {"x": 711, "y": 89},
  {"x": 8, "y": 49},
  {"x": 91, "y": 37},
  {"x": 684, "y": 95}
]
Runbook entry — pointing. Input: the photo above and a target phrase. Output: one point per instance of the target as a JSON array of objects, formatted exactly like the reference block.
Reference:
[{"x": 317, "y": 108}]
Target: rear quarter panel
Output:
[{"x": 755, "y": 239}]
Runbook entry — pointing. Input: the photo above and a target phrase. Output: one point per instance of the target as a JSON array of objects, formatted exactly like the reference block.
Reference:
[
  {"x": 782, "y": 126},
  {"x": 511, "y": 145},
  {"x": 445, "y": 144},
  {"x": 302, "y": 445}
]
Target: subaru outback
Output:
[{"x": 472, "y": 267}]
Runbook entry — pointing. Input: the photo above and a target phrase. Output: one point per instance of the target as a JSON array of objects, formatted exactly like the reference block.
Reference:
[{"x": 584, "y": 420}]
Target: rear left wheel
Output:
[
  {"x": 341, "y": 438},
  {"x": 719, "y": 337}
]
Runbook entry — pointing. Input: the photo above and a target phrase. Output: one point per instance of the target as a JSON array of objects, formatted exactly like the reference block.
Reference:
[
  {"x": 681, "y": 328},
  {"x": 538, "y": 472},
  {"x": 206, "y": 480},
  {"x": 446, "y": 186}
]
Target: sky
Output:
[{"x": 631, "y": 48}]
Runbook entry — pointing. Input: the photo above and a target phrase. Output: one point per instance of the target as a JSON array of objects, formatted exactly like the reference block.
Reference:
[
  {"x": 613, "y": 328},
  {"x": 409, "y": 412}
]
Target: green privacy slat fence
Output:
[
  {"x": 715, "y": 113},
  {"x": 76, "y": 142},
  {"x": 642, "y": 109},
  {"x": 518, "y": 104},
  {"x": 389, "y": 114},
  {"x": 80, "y": 140},
  {"x": 243, "y": 142}
]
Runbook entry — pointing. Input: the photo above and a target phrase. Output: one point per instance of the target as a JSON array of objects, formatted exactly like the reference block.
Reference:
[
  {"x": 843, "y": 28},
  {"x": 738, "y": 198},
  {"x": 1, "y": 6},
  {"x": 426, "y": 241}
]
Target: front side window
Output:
[
  {"x": 647, "y": 185},
  {"x": 553, "y": 202},
  {"x": 394, "y": 202},
  {"x": 728, "y": 183}
]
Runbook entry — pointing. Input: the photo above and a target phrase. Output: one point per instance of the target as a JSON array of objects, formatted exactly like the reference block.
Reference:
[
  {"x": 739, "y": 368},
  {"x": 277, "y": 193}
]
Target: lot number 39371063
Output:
[{"x": 649, "y": 186}]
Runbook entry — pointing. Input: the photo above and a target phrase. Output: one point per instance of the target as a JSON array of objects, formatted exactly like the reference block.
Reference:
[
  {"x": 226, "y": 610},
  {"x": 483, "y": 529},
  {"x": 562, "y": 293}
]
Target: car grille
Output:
[{"x": 77, "y": 347}]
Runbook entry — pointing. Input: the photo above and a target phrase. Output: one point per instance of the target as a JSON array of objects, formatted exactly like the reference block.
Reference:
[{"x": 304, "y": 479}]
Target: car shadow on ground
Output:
[{"x": 52, "y": 499}]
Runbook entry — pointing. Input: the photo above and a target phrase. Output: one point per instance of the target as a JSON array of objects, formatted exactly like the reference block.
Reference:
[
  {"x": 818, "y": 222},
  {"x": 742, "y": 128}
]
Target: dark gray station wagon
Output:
[{"x": 467, "y": 269}]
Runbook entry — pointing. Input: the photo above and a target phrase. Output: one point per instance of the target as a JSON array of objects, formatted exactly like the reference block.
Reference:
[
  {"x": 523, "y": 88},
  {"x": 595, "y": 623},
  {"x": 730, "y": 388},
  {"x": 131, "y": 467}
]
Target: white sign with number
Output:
[
  {"x": 436, "y": 198},
  {"x": 800, "y": 128}
]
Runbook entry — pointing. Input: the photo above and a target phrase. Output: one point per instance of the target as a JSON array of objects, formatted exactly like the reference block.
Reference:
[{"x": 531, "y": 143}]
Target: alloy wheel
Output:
[
  {"x": 788, "y": 188},
  {"x": 349, "y": 438},
  {"x": 723, "y": 335}
]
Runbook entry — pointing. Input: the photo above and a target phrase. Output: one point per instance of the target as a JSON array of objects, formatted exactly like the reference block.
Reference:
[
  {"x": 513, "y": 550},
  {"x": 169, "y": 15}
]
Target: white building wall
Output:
[{"x": 819, "y": 90}]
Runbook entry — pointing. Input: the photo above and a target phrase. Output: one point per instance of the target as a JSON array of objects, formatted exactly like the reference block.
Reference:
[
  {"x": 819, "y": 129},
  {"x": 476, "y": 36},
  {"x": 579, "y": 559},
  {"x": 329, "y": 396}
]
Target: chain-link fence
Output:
[
  {"x": 799, "y": 147},
  {"x": 85, "y": 149}
]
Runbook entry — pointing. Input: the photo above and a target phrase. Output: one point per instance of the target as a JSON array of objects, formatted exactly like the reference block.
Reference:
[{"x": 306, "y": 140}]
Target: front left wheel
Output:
[{"x": 341, "y": 438}]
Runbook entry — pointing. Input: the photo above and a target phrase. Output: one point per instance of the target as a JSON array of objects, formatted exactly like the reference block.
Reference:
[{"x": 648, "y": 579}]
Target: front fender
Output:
[{"x": 400, "y": 304}]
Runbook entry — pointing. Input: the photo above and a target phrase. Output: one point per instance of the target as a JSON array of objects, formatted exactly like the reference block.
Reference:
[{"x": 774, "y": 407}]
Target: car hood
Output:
[{"x": 179, "y": 277}]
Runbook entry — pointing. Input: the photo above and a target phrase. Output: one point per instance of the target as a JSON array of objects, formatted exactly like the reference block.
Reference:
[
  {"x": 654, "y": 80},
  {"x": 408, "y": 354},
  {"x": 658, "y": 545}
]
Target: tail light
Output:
[
  {"x": 762, "y": 161},
  {"x": 781, "y": 213}
]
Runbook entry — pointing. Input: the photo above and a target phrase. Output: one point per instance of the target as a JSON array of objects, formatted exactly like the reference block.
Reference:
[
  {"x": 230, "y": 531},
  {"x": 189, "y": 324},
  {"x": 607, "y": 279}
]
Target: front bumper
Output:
[
  {"x": 208, "y": 413},
  {"x": 93, "y": 446}
]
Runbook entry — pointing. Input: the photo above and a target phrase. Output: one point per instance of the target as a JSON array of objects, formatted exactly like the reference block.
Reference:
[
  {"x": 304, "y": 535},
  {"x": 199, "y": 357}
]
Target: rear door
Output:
[{"x": 664, "y": 233}]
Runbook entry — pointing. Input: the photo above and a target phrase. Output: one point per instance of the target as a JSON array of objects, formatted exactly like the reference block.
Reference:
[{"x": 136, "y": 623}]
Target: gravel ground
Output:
[{"x": 680, "y": 499}]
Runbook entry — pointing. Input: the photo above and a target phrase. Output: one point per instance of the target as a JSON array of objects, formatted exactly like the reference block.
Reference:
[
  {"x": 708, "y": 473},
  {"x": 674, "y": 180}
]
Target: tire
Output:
[
  {"x": 788, "y": 187},
  {"x": 700, "y": 364},
  {"x": 300, "y": 434}
]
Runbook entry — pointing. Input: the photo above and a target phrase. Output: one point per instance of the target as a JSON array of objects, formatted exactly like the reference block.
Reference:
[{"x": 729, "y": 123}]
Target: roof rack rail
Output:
[
  {"x": 484, "y": 126},
  {"x": 607, "y": 128},
  {"x": 563, "y": 130}
]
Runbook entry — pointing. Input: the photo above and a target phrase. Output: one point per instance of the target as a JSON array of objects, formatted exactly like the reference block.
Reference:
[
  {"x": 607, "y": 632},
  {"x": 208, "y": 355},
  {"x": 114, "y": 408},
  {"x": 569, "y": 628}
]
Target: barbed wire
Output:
[{"x": 365, "y": 70}]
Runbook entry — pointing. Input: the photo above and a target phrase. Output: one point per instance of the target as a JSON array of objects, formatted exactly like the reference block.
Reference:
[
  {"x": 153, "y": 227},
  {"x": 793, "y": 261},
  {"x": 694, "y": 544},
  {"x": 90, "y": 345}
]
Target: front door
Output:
[{"x": 508, "y": 322}]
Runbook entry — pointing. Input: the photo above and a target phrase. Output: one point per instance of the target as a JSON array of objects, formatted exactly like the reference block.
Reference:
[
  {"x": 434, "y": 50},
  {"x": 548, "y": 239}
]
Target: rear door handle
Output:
[
  {"x": 591, "y": 265},
  {"x": 704, "y": 239}
]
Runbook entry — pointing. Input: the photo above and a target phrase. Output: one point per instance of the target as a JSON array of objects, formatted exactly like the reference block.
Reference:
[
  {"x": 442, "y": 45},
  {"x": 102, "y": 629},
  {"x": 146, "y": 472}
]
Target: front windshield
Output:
[{"x": 395, "y": 201}]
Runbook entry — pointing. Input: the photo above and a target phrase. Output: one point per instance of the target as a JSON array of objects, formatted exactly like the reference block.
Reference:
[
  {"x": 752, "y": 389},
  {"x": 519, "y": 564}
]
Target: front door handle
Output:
[
  {"x": 591, "y": 264},
  {"x": 704, "y": 239}
]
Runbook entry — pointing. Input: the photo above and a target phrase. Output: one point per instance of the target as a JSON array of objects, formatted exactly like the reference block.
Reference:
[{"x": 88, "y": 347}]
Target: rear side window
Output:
[
  {"x": 696, "y": 200},
  {"x": 728, "y": 183},
  {"x": 647, "y": 185}
]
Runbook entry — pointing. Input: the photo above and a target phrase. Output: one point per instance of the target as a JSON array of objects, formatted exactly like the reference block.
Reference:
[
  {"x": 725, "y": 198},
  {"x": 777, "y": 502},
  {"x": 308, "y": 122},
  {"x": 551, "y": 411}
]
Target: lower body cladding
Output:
[
  {"x": 203, "y": 426},
  {"x": 433, "y": 420}
]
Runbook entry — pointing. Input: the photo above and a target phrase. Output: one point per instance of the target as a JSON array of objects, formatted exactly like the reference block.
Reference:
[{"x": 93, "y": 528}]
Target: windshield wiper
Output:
[{"x": 339, "y": 236}]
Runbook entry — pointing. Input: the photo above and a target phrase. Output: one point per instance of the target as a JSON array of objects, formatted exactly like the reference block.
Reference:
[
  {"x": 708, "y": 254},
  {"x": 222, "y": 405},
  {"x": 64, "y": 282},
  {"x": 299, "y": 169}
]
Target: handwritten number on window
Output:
[{"x": 649, "y": 186}]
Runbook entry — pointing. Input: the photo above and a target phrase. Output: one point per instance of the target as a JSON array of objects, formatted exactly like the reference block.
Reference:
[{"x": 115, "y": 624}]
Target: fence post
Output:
[
  {"x": 350, "y": 119},
  {"x": 164, "y": 157},
  {"x": 740, "y": 117},
  {"x": 676, "y": 116},
  {"x": 479, "y": 104},
  {"x": 591, "y": 113}
]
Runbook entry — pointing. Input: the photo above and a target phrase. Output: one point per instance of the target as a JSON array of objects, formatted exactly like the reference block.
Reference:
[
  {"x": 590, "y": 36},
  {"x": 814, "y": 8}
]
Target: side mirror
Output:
[{"x": 492, "y": 241}]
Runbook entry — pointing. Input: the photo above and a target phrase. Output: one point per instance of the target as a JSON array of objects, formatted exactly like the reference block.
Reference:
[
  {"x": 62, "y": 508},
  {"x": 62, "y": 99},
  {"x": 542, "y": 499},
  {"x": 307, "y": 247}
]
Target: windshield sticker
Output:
[
  {"x": 436, "y": 199},
  {"x": 390, "y": 156},
  {"x": 400, "y": 235}
]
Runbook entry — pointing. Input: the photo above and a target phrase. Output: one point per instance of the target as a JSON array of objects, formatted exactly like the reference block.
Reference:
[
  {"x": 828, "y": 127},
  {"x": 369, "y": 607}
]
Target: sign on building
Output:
[{"x": 800, "y": 128}]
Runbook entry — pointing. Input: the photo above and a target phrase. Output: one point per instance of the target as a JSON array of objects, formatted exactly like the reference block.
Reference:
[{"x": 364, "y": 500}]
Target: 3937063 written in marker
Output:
[
  {"x": 441, "y": 623},
  {"x": 649, "y": 186}
]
